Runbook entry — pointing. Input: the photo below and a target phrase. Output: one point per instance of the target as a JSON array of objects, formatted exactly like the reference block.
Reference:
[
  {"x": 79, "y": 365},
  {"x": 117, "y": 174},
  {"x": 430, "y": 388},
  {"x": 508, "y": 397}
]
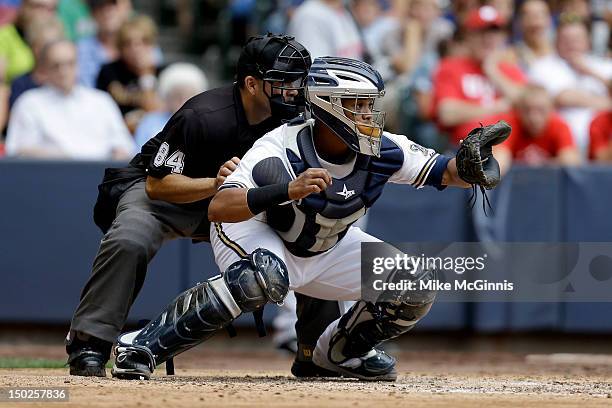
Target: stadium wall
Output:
[{"x": 48, "y": 240}]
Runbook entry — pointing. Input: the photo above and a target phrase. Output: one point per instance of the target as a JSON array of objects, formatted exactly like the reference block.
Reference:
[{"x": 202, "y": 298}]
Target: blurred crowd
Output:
[{"x": 87, "y": 79}]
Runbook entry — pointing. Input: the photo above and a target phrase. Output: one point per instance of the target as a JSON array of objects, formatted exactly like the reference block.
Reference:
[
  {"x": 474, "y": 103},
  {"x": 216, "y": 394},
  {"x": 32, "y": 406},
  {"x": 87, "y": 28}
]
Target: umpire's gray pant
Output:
[{"x": 138, "y": 231}]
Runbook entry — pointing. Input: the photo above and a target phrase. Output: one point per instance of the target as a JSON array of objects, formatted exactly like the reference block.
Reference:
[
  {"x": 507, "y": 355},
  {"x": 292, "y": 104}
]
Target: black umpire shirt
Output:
[{"x": 207, "y": 131}]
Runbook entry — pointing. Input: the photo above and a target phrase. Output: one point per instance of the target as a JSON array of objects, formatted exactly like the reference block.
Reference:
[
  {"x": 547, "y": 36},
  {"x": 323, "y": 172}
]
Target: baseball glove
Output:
[{"x": 475, "y": 162}]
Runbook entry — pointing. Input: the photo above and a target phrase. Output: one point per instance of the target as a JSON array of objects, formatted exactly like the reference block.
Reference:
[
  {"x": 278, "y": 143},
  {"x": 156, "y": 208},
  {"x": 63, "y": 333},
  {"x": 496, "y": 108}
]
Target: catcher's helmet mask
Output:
[
  {"x": 332, "y": 81},
  {"x": 283, "y": 64}
]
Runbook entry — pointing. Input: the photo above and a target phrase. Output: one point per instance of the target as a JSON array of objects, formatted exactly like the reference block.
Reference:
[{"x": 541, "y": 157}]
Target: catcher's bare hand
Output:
[
  {"x": 309, "y": 182},
  {"x": 226, "y": 169}
]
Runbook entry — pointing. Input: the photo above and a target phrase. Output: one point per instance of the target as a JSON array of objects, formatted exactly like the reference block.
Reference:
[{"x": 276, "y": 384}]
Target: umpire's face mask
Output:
[{"x": 286, "y": 98}]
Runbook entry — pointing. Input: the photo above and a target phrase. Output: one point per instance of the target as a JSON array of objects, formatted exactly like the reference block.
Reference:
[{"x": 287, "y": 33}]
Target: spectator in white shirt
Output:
[
  {"x": 576, "y": 79},
  {"x": 326, "y": 28},
  {"x": 63, "y": 120}
]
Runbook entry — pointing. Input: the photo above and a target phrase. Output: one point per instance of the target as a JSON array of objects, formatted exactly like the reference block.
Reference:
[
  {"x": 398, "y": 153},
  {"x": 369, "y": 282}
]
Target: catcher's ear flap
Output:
[{"x": 497, "y": 133}]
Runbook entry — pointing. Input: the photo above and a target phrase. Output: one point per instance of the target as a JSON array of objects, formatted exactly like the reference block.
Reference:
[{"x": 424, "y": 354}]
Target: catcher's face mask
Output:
[
  {"x": 345, "y": 95},
  {"x": 368, "y": 121}
]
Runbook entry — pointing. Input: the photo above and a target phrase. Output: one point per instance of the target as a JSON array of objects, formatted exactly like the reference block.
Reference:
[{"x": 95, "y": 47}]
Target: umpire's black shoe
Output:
[
  {"x": 308, "y": 369},
  {"x": 303, "y": 367},
  {"x": 88, "y": 358}
]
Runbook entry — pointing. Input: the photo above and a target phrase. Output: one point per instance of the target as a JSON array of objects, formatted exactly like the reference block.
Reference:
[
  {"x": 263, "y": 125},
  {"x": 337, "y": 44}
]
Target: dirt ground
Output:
[{"x": 238, "y": 375}]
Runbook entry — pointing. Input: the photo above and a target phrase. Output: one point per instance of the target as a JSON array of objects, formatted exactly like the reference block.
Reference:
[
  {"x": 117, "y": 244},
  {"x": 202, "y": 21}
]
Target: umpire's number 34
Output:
[{"x": 176, "y": 161}]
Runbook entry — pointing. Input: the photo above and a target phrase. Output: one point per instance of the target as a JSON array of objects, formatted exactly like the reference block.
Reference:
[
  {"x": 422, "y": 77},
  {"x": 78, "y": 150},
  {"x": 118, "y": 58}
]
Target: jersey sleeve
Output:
[
  {"x": 421, "y": 166},
  {"x": 180, "y": 142},
  {"x": 266, "y": 153}
]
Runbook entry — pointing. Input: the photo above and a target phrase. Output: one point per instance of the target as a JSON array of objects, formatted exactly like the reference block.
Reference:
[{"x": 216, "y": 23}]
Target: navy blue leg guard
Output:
[
  {"x": 350, "y": 349},
  {"x": 366, "y": 325},
  {"x": 198, "y": 313}
]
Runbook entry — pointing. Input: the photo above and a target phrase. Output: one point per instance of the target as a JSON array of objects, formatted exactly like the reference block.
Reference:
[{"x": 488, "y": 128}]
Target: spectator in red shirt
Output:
[
  {"x": 477, "y": 87},
  {"x": 600, "y": 146},
  {"x": 539, "y": 135}
]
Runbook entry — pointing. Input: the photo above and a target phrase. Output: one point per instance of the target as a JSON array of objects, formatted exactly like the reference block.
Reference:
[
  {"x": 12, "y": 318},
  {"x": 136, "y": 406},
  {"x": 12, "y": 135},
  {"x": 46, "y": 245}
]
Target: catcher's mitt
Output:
[{"x": 475, "y": 162}]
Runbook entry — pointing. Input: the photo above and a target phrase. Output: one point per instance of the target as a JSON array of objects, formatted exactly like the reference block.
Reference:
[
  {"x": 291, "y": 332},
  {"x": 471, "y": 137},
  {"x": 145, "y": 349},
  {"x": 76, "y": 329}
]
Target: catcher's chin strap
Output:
[{"x": 485, "y": 199}]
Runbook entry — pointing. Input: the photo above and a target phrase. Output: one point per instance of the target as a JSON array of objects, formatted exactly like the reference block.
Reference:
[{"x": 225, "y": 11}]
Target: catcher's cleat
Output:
[
  {"x": 132, "y": 362},
  {"x": 376, "y": 365},
  {"x": 308, "y": 369},
  {"x": 88, "y": 358}
]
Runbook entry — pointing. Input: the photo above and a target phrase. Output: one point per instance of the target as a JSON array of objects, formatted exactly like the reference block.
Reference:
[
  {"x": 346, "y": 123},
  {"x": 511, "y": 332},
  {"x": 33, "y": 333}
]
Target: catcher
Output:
[{"x": 283, "y": 221}]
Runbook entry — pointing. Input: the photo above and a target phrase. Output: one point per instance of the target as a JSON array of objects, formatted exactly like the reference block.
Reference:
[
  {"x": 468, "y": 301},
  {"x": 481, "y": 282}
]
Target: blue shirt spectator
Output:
[
  {"x": 150, "y": 125},
  {"x": 92, "y": 56}
]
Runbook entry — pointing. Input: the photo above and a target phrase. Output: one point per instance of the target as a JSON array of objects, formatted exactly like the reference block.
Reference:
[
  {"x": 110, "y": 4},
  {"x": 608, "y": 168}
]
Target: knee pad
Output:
[
  {"x": 257, "y": 280},
  {"x": 418, "y": 296},
  {"x": 408, "y": 308},
  {"x": 198, "y": 313}
]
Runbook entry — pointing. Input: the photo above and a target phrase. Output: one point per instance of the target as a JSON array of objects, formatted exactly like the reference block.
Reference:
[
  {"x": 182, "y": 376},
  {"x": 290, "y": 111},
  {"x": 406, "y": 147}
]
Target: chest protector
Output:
[{"x": 317, "y": 222}]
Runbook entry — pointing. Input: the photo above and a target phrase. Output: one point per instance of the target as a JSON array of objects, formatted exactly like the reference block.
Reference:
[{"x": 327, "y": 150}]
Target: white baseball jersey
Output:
[
  {"x": 314, "y": 236},
  {"x": 316, "y": 223}
]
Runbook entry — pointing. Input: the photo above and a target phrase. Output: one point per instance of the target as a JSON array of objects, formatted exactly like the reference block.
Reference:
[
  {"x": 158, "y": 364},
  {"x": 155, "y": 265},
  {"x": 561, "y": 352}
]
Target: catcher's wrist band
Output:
[
  {"x": 437, "y": 172},
  {"x": 261, "y": 198}
]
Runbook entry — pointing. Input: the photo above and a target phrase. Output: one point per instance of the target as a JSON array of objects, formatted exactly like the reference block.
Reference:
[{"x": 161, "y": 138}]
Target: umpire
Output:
[{"x": 165, "y": 191}]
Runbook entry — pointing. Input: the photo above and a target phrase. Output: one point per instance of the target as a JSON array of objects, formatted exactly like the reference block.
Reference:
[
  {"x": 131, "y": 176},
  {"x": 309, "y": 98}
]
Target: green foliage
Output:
[{"x": 23, "y": 362}]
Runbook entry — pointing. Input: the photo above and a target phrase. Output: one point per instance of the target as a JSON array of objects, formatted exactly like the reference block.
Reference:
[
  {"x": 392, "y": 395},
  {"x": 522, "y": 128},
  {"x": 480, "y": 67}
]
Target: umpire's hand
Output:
[
  {"x": 226, "y": 169},
  {"x": 309, "y": 182}
]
